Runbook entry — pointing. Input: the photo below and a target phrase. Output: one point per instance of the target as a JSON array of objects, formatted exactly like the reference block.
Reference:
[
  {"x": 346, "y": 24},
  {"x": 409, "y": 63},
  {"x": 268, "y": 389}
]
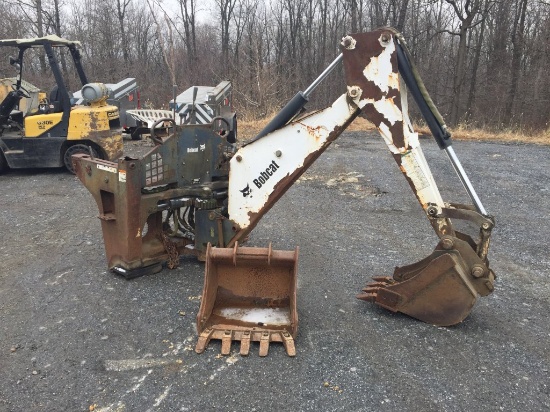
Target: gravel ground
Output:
[{"x": 74, "y": 337}]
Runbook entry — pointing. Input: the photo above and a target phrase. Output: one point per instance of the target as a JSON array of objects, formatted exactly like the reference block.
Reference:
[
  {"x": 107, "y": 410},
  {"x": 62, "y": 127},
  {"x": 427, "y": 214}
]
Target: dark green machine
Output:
[{"x": 177, "y": 190}]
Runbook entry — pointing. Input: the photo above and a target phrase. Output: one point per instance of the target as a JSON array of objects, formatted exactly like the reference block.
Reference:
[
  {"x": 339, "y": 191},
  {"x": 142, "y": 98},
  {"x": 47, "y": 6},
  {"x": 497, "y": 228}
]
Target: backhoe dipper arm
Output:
[{"x": 263, "y": 170}]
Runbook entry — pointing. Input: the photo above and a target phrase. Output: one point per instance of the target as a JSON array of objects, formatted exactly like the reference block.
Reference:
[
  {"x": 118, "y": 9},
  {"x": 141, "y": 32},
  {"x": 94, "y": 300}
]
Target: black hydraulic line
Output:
[
  {"x": 295, "y": 106},
  {"x": 291, "y": 109},
  {"x": 433, "y": 118},
  {"x": 439, "y": 132}
]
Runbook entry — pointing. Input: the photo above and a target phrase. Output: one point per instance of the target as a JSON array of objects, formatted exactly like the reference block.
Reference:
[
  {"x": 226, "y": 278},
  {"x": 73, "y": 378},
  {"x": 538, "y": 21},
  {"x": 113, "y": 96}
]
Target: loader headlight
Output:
[{"x": 94, "y": 92}]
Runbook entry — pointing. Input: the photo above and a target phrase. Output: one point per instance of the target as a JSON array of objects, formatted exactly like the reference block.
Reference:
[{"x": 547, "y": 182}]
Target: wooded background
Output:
[{"x": 485, "y": 62}]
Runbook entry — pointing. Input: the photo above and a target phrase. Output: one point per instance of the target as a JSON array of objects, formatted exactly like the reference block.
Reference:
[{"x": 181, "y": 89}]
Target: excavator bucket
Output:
[
  {"x": 249, "y": 295},
  {"x": 440, "y": 289}
]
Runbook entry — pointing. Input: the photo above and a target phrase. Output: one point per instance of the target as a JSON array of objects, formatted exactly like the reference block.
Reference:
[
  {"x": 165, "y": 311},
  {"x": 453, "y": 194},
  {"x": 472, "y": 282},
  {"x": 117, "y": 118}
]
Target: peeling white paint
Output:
[
  {"x": 380, "y": 72},
  {"x": 266, "y": 162},
  {"x": 389, "y": 110},
  {"x": 249, "y": 194},
  {"x": 414, "y": 171},
  {"x": 385, "y": 132}
]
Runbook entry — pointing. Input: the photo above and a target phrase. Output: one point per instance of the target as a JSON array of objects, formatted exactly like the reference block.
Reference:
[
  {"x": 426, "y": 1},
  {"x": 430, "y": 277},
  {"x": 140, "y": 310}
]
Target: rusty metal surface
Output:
[
  {"x": 373, "y": 78},
  {"x": 367, "y": 51},
  {"x": 141, "y": 201},
  {"x": 110, "y": 141},
  {"x": 249, "y": 295},
  {"x": 441, "y": 289},
  {"x": 374, "y": 87},
  {"x": 300, "y": 144},
  {"x": 137, "y": 197}
]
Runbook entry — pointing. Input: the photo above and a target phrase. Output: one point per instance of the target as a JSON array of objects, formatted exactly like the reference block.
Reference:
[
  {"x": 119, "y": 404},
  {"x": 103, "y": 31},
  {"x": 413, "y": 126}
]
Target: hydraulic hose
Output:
[
  {"x": 416, "y": 87},
  {"x": 433, "y": 118}
]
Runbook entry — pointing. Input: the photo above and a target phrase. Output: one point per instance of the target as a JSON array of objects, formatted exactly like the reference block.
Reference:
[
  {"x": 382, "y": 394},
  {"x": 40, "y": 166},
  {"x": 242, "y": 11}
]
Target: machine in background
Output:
[
  {"x": 196, "y": 105},
  {"x": 49, "y": 136},
  {"x": 126, "y": 96}
]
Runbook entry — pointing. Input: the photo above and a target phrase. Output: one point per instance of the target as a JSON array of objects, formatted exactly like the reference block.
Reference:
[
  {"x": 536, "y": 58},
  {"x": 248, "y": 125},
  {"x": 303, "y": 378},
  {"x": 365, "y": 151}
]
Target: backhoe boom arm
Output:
[
  {"x": 265, "y": 168},
  {"x": 377, "y": 71}
]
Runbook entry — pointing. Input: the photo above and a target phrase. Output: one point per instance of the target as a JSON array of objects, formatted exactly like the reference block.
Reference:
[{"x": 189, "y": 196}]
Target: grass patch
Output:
[
  {"x": 250, "y": 128},
  {"x": 510, "y": 136}
]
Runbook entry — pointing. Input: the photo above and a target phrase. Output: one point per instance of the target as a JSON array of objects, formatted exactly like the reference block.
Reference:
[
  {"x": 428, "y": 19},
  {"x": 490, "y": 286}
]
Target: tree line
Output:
[{"x": 485, "y": 62}]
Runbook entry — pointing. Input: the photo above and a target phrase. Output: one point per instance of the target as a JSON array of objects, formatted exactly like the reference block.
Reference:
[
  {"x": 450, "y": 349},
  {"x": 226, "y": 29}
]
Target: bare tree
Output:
[
  {"x": 476, "y": 60},
  {"x": 518, "y": 34},
  {"x": 166, "y": 46},
  {"x": 121, "y": 13},
  {"x": 188, "y": 10},
  {"x": 402, "y": 14},
  {"x": 467, "y": 12},
  {"x": 33, "y": 12},
  {"x": 490, "y": 71},
  {"x": 226, "y": 9}
]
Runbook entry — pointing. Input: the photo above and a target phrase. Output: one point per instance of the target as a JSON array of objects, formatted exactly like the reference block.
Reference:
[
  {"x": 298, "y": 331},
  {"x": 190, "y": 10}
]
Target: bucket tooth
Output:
[
  {"x": 226, "y": 342},
  {"x": 441, "y": 289},
  {"x": 288, "y": 343},
  {"x": 383, "y": 279},
  {"x": 264, "y": 343},
  {"x": 203, "y": 340},
  {"x": 368, "y": 296},
  {"x": 249, "y": 295},
  {"x": 245, "y": 343},
  {"x": 376, "y": 285}
]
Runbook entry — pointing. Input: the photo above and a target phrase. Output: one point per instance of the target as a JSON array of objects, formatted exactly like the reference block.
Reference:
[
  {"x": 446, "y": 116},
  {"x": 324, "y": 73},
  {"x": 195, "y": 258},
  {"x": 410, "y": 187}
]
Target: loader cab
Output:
[{"x": 52, "y": 128}]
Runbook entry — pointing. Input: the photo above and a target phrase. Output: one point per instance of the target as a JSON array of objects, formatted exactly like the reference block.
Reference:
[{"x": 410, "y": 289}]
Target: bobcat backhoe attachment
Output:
[{"x": 196, "y": 193}]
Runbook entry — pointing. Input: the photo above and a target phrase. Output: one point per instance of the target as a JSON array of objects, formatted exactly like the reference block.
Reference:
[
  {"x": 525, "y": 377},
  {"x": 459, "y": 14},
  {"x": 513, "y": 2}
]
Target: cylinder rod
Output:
[
  {"x": 322, "y": 76},
  {"x": 465, "y": 181},
  {"x": 295, "y": 106}
]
